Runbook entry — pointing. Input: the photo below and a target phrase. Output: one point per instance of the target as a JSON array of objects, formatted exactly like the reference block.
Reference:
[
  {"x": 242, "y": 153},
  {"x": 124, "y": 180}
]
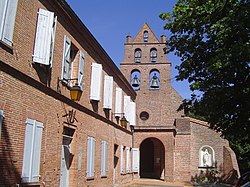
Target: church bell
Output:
[
  {"x": 155, "y": 82},
  {"x": 135, "y": 81}
]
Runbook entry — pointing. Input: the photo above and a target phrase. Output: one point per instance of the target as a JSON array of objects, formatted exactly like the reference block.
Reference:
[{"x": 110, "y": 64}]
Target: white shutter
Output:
[
  {"x": 37, "y": 152},
  {"x": 32, "y": 151},
  {"x": 121, "y": 160},
  {"x": 79, "y": 164},
  {"x": 44, "y": 32},
  {"x": 127, "y": 107},
  {"x": 66, "y": 64},
  {"x": 81, "y": 69},
  {"x": 96, "y": 80},
  {"x": 108, "y": 92},
  {"x": 52, "y": 41},
  {"x": 90, "y": 157},
  {"x": 118, "y": 102},
  {"x": 104, "y": 157},
  {"x": 1, "y": 121},
  {"x": 7, "y": 20},
  {"x": 132, "y": 113},
  {"x": 135, "y": 160},
  {"x": 128, "y": 159}
]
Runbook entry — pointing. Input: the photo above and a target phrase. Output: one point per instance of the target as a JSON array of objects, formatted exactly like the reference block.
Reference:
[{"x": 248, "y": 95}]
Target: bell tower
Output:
[{"x": 148, "y": 70}]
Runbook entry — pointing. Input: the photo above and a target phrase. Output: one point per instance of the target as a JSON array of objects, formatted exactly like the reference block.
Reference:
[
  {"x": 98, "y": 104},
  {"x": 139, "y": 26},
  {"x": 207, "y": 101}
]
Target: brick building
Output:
[{"x": 47, "y": 139}]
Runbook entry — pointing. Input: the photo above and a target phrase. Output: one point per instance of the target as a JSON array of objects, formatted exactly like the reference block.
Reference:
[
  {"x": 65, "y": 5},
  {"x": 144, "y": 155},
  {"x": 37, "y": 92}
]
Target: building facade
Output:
[
  {"x": 48, "y": 139},
  {"x": 172, "y": 147}
]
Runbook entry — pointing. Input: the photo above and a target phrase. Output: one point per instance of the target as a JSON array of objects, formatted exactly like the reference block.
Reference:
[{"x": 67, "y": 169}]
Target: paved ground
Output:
[{"x": 155, "y": 183}]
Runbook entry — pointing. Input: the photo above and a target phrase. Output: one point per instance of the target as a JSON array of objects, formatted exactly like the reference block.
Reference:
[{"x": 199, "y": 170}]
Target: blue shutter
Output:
[
  {"x": 7, "y": 20},
  {"x": 81, "y": 69},
  {"x": 66, "y": 64},
  {"x": 44, "y": 31},
  {"x": 37, "y": 152},
  {"x": 96, "y": 82},
  {"x": 1, "y": 122}
]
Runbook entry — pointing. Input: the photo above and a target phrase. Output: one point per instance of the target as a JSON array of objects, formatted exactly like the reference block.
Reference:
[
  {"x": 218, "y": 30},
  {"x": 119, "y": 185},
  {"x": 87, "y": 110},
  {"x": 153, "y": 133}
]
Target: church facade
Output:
[{"x": 69, "y": 117}]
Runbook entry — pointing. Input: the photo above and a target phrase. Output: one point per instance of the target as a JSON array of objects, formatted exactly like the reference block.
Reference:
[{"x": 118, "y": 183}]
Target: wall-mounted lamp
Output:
[
  {"x": 123, "y": 120},
  {"x": 75, "y": 91}
]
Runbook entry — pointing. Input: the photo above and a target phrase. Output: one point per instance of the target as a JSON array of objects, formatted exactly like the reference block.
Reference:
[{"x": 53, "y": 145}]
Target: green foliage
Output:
[{"x": 212, "y": 39}]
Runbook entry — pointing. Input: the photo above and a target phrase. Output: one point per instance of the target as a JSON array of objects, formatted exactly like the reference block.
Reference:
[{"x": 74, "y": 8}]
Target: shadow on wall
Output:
[
  {"x": 10, "y": 176},
  {"x": 214, "y": 176}
]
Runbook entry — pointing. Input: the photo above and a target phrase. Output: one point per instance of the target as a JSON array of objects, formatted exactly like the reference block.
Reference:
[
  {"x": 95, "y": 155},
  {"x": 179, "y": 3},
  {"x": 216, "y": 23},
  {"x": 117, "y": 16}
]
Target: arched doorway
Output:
[{"x": 152, "y": 159}]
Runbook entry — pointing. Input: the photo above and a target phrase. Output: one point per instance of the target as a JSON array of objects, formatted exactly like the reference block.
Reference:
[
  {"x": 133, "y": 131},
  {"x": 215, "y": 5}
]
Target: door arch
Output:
[{"x": 152, "y": 159}]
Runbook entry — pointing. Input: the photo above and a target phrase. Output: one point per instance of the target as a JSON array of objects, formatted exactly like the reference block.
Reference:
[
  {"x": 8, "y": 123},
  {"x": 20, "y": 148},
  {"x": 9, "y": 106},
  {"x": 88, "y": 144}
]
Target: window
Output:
[
  {"x": 90, "y": 157},
  {"x": 73, "y": 59},
  {"x": 145, "y": 36},
  {"x": 153, "y": 55},
  {"x": 1, "y": 122},
  {"x": 128, "y": 159},
  {"x": 45, "y": 37},
  {"x": 130, "y": 110},
  {"x": 104, "y": 158},
  {"x": 32, "y": 151},
  {"x": 138, "y": 55},
  {"x": 96, "y": 81},
  {"x": 144, "y": 116},
  {"x": 118, "y": 102},
  {"x": 108, "y": 92},
  {"x": 7, "y": 20},
  {"x": 206, "y": 156},
  {"x": 135, "y": 160}
]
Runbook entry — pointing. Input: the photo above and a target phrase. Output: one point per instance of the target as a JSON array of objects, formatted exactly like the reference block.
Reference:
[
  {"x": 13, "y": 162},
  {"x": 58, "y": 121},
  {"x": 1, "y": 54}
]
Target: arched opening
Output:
[
  {"x": 135, "y": 79},
  {"x": 145, "y": 36},
  {"x": 152, "y": 159},
  {"x": 153, "y": 55},
  {"x": 154, "y": 83},
  {"x": 138, "y": 55}
]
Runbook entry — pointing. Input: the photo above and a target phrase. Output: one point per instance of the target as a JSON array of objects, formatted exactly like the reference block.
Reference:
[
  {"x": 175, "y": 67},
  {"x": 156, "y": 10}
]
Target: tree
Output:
[{"x": 212, "y": 39}]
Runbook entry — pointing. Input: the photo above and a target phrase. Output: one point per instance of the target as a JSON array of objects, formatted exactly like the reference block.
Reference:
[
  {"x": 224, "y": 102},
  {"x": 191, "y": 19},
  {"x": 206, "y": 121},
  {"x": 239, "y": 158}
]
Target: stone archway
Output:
[{"x": 152, "y": 159}]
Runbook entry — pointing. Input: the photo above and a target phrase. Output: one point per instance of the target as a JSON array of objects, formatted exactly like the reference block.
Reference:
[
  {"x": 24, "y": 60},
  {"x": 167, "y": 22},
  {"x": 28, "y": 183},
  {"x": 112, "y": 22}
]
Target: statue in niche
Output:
[{"x": 206, "y": 158}]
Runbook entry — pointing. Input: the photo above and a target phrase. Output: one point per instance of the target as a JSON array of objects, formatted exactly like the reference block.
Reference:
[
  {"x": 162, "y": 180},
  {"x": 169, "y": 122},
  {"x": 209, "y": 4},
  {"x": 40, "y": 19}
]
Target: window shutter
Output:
[
  {"x": 127, "y": 107},
  {"x": 1, "y": 121},
  {"x": 28, "y": 149},
  {"x": 81, "y": 69},
  {"x": 52, "y": 41},
  {"x": 104, "y": 158},
  {"x": 135, "y": 160},
  {"x": 66, "y": 66},
  {"x": 108, "y": 92},
  {"x": 90, "y": 157},
  {"x": 132, "y": 113},
  {"x": 37, "y": 152},
  {"x": 127, "y": 159},
  {"x": 121, "y": 160},
  {"x": 79, "y": 164},
  {"x": 118, "y": 102},
  {"x": 8, "y": 20},
  {"x": 96, "y": 79},
  {"x": 44, "y": 32}
]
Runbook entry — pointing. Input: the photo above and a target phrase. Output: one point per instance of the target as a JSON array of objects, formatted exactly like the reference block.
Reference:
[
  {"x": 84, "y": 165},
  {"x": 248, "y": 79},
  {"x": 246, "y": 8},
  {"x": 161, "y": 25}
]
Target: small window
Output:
[
  {"x": 145, "y": 36},
  {"x": 144, "y": 116},
  {"x": 153, "y": 55},
  {"x": 138, "y": 55}
]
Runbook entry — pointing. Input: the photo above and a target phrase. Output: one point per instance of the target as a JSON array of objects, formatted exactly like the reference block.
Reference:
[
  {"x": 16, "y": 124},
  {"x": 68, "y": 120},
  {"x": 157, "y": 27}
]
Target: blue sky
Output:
[{"x": 111, "y": 21}]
